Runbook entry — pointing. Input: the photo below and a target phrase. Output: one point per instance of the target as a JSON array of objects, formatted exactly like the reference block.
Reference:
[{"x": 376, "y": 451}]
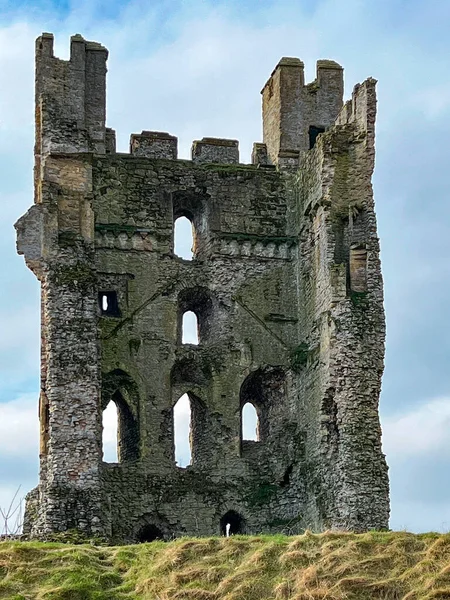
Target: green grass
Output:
[{"x": 328, "y": 566}]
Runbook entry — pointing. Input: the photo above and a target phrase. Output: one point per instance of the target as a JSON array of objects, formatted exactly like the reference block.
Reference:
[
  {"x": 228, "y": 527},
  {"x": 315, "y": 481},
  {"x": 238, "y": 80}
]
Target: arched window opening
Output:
[
  {"x": 250, "y": 424},
  {"x": 110, "y": 433},
  {"x": 189, "y": 329},
  {"x": 184, "y": 238},
  {"x": 120, "y": 402},
  {"x": 149, "y": 533},
  {"x": 264, "y": 389},
  {"x": 182, "y": 430},
  {"x": 232, "y": 523},
  {"x": 197, "y": 316}
]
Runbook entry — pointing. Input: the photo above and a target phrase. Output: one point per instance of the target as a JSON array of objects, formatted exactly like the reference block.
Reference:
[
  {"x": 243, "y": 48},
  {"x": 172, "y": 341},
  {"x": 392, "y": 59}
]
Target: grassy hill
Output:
[{"x": 388, "y": 566}]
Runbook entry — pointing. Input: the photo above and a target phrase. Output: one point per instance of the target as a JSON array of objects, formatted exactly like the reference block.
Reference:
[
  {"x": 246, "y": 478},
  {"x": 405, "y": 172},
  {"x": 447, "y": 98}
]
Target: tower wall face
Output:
[{"x": 286, "y": 285}]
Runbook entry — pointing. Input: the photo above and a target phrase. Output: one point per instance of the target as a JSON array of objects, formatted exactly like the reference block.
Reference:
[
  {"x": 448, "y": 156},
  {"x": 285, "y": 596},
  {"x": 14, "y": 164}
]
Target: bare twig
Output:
[{"x": 12, "y": 516}]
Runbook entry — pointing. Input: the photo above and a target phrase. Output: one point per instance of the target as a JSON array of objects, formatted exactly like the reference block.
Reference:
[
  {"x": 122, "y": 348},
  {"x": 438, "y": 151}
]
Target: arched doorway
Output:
[
  {"x": 149, "y": 533},
  {"x": 232, "y": 523},
  {"x": 189, "y": 328}
]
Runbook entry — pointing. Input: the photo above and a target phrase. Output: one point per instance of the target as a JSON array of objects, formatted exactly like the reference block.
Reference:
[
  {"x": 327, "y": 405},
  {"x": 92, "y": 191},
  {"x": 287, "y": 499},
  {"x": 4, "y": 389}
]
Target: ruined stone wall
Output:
[
  {"x": 341, "y": 296},
  {"x": 286, "y": 285}
]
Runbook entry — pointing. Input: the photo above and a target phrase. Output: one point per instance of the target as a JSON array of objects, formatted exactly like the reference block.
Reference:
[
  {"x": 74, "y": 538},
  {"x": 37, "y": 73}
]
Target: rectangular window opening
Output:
[
  {"x": 313, "y": 133},
  {"x": 109, "y": 304}
]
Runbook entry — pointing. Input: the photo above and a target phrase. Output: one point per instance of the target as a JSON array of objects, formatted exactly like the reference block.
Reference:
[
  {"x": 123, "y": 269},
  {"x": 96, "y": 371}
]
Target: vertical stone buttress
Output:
[{"x": 57, "y": 236}]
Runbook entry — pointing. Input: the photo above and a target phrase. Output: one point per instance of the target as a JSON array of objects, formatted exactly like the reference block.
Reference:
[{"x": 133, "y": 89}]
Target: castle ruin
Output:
[{"x": 286, "y": 285}]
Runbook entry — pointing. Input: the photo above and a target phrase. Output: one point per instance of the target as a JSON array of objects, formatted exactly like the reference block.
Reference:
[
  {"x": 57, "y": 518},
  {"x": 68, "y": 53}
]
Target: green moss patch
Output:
[{"x": 299, "y": 357}]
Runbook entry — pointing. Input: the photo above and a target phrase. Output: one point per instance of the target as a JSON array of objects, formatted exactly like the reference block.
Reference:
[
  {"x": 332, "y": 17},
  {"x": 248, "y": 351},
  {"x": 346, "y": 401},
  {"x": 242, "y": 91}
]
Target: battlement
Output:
[
  {"x": 295, "y": 113},
  {"x": 154, "y": 144},
  {"x": 71, "y": 110},
  {"x": 70, "y": 97}
]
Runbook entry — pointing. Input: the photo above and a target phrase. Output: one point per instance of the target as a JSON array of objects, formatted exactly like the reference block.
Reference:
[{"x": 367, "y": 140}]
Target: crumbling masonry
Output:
[{"x": 286, "y": 285}]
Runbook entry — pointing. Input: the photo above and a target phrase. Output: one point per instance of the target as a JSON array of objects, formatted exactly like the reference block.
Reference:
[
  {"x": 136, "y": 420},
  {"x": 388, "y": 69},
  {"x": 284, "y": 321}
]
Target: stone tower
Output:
[{"x": 286, "y": 285}]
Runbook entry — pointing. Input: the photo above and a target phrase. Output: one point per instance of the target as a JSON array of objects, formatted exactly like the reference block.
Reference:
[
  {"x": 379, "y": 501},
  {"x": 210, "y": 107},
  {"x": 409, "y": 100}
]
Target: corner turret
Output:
[
  {"x": 70, "y": 98},
  {"x": 295, "y": 113}
]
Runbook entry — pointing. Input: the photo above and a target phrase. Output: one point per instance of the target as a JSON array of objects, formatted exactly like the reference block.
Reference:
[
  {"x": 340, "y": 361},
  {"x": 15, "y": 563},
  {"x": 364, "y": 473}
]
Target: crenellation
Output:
[
  {"x": 291, "y": 108},
  {"x": 70, "y": 98},
  {"x": 285, "y": 282},
  {"x": 110, "y": 140},
  {"x": 154, "y": 144},
  {"x": 361, "y": 109},
  {"x": 215, "y": 150},
  {"x": 259, "y": 155}
]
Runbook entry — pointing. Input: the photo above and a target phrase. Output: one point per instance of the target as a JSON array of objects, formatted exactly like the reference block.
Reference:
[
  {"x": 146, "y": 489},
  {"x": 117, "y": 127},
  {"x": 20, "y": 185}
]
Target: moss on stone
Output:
[
  {"x": 262, "y": 494},
  {"x": 264, "y": 239},
  {"x": 299, "y": 357},
  {"x": 358, "y": 299},
  {"x": 74, "y": 276}
]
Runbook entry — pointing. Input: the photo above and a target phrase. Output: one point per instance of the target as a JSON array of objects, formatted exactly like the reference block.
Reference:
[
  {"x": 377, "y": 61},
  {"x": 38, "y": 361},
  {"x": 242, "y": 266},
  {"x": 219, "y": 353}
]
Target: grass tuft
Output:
[{"x": 327, "y": 566}]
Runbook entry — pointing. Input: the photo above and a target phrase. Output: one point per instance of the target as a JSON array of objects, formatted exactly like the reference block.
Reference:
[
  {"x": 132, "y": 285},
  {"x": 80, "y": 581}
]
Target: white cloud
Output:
[
  {"x": 19, "y": 427},
  {"x": 424, "y": 429},
  {"x": 16, "y": 79},
  {"x": 110, "y": 424}
]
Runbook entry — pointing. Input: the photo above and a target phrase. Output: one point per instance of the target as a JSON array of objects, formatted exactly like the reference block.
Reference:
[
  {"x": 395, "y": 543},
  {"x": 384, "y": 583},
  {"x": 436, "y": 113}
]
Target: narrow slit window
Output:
[
  {"x": 184, "y": 238},
  {"x": 182, "y": 429},
  {"x": 249, "y": 423},
  {"x": 110, "y": 433},
  {"x": 189, "y": 333}
]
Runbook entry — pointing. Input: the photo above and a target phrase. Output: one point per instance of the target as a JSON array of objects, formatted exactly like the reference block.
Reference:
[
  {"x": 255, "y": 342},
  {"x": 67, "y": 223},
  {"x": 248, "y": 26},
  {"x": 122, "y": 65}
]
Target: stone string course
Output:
[{"x": 286, "y": 285}]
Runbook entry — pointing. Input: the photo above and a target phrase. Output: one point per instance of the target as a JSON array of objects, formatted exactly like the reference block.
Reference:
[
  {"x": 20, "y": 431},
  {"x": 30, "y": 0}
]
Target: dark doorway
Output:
[
  {"x": 234, "y": 520},
  {"x": 150, "y": 533}
]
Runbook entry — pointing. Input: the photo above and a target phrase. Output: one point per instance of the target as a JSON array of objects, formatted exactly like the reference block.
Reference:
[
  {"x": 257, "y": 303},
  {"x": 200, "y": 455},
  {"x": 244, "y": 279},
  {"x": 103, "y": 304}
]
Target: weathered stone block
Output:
[
  {"x": 154, "y": 144},
  {"x": 215, "y": 150}
]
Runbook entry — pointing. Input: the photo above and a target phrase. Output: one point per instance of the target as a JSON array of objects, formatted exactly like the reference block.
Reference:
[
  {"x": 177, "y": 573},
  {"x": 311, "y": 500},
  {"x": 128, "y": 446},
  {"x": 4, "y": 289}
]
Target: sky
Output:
[{"x": 195, "y": 68}]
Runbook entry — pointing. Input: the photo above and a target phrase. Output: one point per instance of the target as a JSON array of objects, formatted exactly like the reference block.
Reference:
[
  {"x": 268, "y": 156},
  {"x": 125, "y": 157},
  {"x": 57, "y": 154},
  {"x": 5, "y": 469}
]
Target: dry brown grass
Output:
[{"x": 328, "y": 566}]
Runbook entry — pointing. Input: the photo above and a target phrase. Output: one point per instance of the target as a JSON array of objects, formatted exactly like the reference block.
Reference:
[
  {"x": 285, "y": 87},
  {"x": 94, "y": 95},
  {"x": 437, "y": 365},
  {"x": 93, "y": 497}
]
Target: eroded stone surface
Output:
[{"x": 286, "y": 286}]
